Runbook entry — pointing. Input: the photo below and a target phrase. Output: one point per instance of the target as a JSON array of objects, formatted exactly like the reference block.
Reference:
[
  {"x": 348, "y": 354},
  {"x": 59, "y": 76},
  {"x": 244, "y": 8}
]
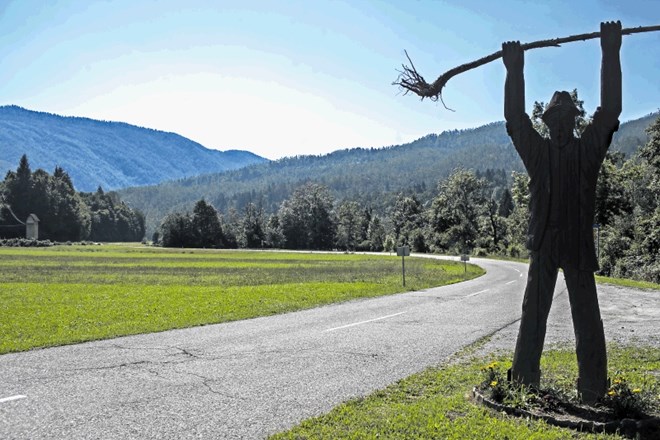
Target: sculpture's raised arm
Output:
[{"x": 610, "y": 72}]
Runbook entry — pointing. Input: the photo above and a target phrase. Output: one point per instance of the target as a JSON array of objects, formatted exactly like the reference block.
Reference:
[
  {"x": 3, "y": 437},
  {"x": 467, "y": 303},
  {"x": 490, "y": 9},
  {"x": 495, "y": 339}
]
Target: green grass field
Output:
[{"x": 68, "y": 294}]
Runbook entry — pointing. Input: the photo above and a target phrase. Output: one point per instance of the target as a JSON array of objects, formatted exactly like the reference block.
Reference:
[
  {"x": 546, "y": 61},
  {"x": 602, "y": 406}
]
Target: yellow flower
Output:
[
  {"x": 493, "y": 383},
  {"x": 637, "y": 390},
  {"x": 617, "y": 381},
  {"x": 611, "y": 393}
]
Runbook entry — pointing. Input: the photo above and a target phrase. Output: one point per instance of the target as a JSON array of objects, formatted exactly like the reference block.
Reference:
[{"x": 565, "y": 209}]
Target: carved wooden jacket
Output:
[{"x": 578, "y": 163}]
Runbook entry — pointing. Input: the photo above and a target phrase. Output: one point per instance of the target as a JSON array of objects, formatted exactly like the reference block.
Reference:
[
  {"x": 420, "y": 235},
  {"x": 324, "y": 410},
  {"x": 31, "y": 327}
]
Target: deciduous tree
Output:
[
  {"x": 455, "y": 212},
  {"x": 307, "y": 218}
]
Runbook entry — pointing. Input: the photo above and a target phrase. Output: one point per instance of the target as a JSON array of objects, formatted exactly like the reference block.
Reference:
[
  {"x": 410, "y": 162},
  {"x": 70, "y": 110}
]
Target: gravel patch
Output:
[{"x": 630, "y": 316}]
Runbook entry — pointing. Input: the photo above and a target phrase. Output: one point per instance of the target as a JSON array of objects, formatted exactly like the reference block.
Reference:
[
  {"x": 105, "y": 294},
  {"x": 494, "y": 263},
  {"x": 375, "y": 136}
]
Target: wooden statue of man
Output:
[{"x": 563, "y": 171}]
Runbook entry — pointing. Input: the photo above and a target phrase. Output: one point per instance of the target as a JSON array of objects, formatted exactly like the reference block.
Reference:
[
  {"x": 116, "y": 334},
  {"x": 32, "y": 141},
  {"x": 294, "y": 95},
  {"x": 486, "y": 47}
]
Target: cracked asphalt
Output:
[{"x": 251, "y": 378}]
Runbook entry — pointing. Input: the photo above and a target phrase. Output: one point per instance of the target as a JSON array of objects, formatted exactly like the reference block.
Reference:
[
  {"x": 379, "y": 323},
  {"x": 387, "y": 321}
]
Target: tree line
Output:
[
  {"x": 628, "y": 195},
  {"x": 308, "y": 219},
  {"x": 482, "y": 213},
  {"x": 64, "y": 214},
  {"x": 471, "y": 212}
]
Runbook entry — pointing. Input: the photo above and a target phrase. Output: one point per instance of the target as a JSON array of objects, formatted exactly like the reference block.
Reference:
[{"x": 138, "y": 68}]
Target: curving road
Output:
[{"x": 250, "y": 378}]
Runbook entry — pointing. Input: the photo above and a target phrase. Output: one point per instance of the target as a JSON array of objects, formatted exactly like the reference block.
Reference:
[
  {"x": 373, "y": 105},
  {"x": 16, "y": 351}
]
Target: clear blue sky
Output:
[{"x": 288, "y": 77}]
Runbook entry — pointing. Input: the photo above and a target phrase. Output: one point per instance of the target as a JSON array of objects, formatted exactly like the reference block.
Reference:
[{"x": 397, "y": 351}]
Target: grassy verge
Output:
[
  {"x": 628, "y": 283},
  {"x": 65, "y": 294},
  {"x": 433, "y": 404},
  {"x": 624, "y": 282}
]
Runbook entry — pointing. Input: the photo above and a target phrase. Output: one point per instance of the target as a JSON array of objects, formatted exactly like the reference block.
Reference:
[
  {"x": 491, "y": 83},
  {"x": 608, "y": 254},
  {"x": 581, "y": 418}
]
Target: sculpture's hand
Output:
[
  {"x": 514, "y": 86},
  {"x": 513, "y": 55},
  {"x": 610, "y": 35}
]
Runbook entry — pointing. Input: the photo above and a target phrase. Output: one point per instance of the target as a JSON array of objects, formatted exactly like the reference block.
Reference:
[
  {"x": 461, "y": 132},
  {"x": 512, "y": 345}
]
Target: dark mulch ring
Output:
[{"x": 583, "y": 418}]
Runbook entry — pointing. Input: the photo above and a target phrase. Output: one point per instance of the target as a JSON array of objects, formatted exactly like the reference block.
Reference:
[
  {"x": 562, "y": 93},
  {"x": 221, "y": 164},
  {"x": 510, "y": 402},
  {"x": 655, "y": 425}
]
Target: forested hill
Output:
[
  {"x": 370, "y": 176},
  {"x": 632, "y": 134},
  {"x": 110, "y": 154}
]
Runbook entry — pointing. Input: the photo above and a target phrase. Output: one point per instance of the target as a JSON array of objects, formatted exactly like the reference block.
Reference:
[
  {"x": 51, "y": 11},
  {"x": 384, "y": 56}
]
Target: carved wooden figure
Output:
[{"x": 563, "y": 171}]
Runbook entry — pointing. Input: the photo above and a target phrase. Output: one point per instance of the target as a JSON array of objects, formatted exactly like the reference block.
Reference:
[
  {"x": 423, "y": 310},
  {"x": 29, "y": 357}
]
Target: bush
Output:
[
  {"x": 480, "y": 252},
  {"x": 516, "y": 251},
  {"x": 24, "y": 242},
  {"x": 364, "y": 246}
]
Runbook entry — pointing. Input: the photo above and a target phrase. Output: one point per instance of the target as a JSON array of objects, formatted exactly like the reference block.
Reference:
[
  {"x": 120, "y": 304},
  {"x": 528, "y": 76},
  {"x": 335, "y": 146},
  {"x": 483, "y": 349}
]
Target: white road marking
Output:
[
  {"x": 513, "y": 281},
  {"x": 517, "y": 270},
  {"x": 9, "y": 399},
  {"x": 477, "y": 293},
  {"x": 364, "y": 322}
]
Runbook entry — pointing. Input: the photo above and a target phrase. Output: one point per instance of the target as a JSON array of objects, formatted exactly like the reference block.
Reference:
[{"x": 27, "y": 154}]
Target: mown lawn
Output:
[
  {"x": 69, "y": 294},
  {"x": 434, "y": 404}
]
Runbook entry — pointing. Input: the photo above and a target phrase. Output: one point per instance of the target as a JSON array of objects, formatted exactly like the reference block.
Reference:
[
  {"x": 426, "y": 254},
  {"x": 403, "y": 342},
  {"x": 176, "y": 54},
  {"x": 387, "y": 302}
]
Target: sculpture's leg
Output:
[
  {"x": 589, "y": 335},
  {"x": 541, "y": 281}
]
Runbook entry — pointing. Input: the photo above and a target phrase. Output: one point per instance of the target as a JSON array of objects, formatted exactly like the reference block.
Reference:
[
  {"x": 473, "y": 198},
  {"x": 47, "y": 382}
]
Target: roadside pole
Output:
[
  {"x": 403, "y": 252},
  {"x": 465, "y": 258}
]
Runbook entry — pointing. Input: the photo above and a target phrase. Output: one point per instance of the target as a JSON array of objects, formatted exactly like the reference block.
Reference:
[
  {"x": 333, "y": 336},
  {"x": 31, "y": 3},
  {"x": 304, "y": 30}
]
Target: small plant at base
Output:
[
  {"x": 494, "y": 383},
  {"x": 500, "y": 390},
  {"x": 519, "y": 396},
  {"x": 626, "y": 402}
]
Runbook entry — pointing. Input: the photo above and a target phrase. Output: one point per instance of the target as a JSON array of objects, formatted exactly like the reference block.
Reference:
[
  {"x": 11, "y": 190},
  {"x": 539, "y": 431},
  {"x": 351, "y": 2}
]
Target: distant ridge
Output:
[
  {"x": 110, "y": 154},
  {"x": 371, "y": 176}
]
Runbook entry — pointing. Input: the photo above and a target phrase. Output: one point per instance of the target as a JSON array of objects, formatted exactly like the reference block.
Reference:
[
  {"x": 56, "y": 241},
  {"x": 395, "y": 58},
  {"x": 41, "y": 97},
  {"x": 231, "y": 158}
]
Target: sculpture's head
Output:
[{"x": 559, "y": 116}]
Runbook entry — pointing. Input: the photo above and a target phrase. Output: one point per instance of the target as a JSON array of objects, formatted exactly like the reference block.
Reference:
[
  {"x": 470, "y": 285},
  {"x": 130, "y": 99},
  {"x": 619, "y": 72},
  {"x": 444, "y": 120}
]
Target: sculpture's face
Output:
[{"x": 561, "y": 126}]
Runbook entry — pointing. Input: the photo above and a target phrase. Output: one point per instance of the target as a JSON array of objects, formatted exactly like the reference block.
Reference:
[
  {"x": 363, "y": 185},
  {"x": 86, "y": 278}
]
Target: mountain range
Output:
[{"x": 108, "y": 154}]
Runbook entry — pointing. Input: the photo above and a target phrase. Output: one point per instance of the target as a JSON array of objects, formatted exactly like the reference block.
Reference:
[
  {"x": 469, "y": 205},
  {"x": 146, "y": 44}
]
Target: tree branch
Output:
[{"x": 411, "y": 81}]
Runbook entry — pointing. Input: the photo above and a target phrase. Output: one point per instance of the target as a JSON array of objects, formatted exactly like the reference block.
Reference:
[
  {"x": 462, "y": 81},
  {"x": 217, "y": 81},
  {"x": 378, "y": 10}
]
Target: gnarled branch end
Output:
[{"x": 411, "y": 81}]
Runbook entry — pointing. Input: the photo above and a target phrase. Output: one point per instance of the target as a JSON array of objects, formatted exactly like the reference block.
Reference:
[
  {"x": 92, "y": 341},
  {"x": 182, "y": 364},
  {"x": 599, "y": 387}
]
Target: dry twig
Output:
[{"x": 411, "y": 81}]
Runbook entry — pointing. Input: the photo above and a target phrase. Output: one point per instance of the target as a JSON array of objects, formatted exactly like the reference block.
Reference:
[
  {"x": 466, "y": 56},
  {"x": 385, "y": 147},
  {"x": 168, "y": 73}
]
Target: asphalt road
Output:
[{"x": 251, "y": 378}]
